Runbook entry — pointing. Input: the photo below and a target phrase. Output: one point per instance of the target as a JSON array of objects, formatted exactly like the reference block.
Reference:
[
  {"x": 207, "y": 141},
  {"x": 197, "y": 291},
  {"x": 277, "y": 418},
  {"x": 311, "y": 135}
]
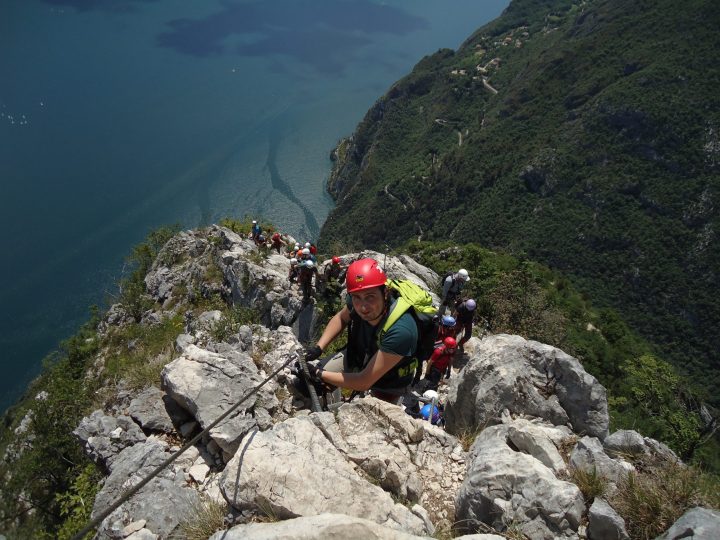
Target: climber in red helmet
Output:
[
  {"x": 440, "y": 363},
  {"x": 383, "y": 364}
]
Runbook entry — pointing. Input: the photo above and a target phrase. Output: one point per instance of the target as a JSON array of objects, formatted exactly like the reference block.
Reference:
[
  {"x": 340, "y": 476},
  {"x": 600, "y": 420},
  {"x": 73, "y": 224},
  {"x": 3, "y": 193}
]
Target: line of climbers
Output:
[
  {"x": 303, "y": 264},
  {"x": 393, "y": 329}
]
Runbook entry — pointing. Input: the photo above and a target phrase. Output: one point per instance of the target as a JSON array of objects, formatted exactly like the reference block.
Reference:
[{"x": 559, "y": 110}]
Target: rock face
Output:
[
  {"x": 207, "y": 384},
  {"x": 366, "y": 470},
  {"x": 316, "y": 463},
  {"x": 525, "y": 377},
  {"x": 162, "y": 503},
  {"x": 320, "y": 527},
  {"x": 308, "y": 476},
  {"x": 506, "y": 482},
  {"x": 588, "y": 455},
  {"x": 104, "y": 437}
]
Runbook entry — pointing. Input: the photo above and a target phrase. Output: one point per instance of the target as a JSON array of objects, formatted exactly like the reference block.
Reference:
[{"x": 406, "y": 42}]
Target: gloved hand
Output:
[
  {"x": 312, "y": 353},
  {"x": 315, "y": 370}
]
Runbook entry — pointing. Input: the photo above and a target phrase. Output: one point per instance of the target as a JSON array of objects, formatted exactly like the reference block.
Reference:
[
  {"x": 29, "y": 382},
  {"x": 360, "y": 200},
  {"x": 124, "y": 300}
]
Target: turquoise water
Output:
[{"x": 119, "y": 116}]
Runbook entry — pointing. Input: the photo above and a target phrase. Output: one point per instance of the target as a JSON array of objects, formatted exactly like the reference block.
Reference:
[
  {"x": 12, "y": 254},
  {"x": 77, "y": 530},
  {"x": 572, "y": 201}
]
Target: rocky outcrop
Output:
[
  {"x": 104, "y": 436},
  {"x": 526, "y": 377},
  {"x": 307, "y": 476},
  {"x": 162, "y": 503},
  {"x": 367, "y": 469},
  {"x": 207, "y": 384},
  {"x": 154, "y": 411},
  {"x": 320, "y": 527},
  {"x": 588, "y": 455},
  {"x": 344, "y": 464},
  {"x": 506, "y": 484}
]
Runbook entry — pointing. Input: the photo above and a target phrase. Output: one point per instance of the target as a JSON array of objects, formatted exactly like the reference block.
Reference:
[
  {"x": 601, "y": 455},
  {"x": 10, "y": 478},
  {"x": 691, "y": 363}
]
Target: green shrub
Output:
[{"x": 76, "y": 504}]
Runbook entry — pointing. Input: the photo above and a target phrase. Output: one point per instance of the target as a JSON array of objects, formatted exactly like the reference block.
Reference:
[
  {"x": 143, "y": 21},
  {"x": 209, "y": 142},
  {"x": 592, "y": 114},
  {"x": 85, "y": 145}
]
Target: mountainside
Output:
[
  {"x": 584, "y": 135},
  {"x": 183, "y": 391}
]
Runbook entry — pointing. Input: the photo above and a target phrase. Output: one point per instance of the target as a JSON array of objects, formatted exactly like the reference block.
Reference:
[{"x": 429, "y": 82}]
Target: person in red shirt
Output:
[
  {"x": 440, "y": 363},
  {"x": 277, "y": 241}
]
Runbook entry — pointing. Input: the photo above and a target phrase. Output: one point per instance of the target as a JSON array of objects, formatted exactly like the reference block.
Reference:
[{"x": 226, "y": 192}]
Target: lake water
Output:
[{"x": 119, "y": 116}]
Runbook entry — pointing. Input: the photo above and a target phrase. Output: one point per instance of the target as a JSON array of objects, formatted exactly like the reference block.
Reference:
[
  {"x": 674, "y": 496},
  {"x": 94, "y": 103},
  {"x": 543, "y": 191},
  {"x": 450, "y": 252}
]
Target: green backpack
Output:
[{"x": 410, "y": 295}]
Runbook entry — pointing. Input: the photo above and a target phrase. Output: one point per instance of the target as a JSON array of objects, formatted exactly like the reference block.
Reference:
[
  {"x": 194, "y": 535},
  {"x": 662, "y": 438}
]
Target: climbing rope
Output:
[{"x": 129, "y": 493}]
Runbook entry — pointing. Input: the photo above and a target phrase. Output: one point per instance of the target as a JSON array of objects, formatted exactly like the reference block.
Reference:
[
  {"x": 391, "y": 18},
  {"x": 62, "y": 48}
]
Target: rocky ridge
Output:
[{"x": 366, "y": 469}]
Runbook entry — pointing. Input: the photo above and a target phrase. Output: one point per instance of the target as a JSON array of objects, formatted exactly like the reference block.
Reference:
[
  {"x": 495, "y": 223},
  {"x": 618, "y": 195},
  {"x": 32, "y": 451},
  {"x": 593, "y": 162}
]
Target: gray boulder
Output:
[
  {"x": 306, "y": 476},
  {"x": 525, "y": 377},
  {"x": 421, "y": 464},
  {"x": 319, "y": 527},
  {"x": 149, "y": 409},
  {"x": 604, "y": 523},
  {"x": 162, "y": 503},
  {"x": 697, "y": 523},
  {"x": 207, "y": 384},
  {"x": 104, "y": 437},
  {"x": 625, "y": 442},
  {"x": 505, "y": 485},
  {"x": 589, "y": 455}
]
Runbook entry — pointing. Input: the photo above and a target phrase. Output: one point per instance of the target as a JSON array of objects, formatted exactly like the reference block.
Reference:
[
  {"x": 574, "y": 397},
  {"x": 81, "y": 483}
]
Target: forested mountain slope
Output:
[{"x": 584, "y": 135}]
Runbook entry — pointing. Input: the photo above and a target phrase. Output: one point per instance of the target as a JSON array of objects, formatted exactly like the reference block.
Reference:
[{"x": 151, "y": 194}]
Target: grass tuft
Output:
[
  {"x": 591, "y": 483},
  {"x": 205, "y": 518}
]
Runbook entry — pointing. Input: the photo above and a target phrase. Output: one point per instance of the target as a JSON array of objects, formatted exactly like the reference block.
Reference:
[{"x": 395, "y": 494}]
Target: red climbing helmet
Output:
[
  {"x": 336, "y": 260},
  {"x": 364, "y": 274},
  {"x": 450, "y": 342}
]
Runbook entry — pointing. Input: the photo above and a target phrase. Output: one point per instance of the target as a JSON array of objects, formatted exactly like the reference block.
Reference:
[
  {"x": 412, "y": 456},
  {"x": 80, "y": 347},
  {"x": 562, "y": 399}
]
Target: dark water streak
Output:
[{"x": 283, "y": 187}]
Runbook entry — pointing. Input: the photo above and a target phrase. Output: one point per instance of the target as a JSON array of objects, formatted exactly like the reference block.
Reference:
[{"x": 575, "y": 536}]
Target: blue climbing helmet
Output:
[
  {"x": 448, "y": 321},
  {"x": 425, "y": 413}
]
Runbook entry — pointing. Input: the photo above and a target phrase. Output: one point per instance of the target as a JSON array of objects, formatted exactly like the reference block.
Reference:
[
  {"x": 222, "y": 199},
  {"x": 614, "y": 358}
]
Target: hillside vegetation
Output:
[{"x": 581, "y": 134}]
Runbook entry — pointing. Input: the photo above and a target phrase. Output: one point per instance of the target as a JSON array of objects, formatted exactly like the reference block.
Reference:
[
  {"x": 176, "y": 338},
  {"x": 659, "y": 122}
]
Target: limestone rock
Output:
[
  {"x": 299, "y": 481},
  {"x": 540, "y": 441},
  {"x": 149, "y": 410},
  {"x": 320, "y": 527},
  {"x": 589, "y": 455},
  {"x": 525, "y": 377},
  {"x": 625, "y": 441},
  {"x": 604, "y": 523},
  {"x": 207, "y": 384},
  {"x": 503, "y": 485},
  {"x": 161, "y": 503},
  {"x": 104, "y": 437}
]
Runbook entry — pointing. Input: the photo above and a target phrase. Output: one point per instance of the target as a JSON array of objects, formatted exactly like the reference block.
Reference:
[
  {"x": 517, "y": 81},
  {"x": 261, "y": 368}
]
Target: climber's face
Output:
[{"x": 369, "y": 304}]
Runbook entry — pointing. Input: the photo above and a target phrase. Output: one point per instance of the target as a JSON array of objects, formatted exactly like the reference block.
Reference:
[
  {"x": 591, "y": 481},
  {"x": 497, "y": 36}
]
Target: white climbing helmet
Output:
[
  {"x": 306, "y": 251},
  {"x": 430, "y": 394},
  {"x": 464, "y": 274},
  {"x": 309, "y": 263},
  {"x": 293, "y": 261}
]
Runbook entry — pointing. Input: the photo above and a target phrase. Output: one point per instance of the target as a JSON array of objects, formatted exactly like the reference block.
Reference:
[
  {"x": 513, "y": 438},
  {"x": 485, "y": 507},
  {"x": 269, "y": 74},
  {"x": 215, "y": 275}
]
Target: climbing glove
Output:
[
  {"x": 312, "y": 353},
  {"x": 315, "y": 370}
]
